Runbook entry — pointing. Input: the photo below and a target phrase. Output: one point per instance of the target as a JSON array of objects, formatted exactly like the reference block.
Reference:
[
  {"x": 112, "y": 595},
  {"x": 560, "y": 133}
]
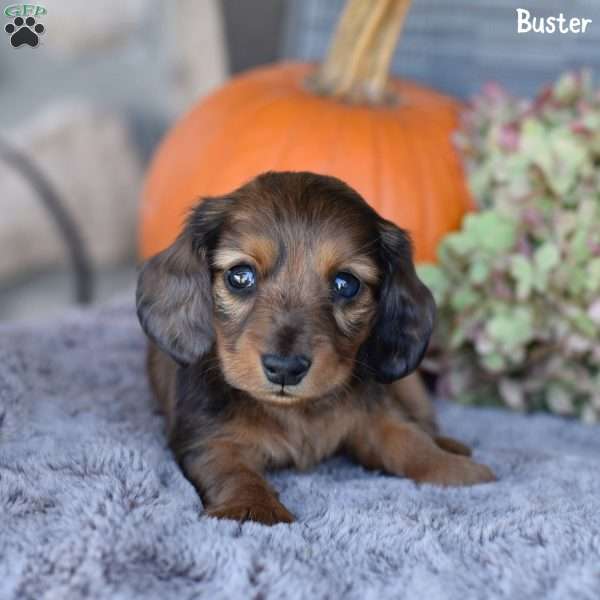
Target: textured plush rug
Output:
[{"x": 92, "y": 504}]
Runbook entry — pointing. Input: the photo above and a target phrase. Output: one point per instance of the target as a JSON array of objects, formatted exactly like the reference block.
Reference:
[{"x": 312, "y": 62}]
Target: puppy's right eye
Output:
[
  {"x": 241, "y": 277},
  {"x": 345, "y": 285}
]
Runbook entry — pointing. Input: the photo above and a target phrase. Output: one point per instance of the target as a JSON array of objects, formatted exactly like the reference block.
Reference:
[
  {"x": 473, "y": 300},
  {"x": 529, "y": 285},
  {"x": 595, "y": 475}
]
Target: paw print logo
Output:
[{"x": 24, "y": 32}]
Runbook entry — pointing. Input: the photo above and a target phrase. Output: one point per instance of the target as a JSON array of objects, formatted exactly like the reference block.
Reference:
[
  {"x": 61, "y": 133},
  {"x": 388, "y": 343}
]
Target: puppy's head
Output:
[{"x": 299, "y": 285}]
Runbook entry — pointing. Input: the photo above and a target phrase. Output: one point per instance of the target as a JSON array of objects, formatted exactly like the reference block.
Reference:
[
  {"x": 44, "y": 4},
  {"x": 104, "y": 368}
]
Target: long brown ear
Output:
[
  {"x": 405, "y": 312},
  {"x": 174, "y": 300}
]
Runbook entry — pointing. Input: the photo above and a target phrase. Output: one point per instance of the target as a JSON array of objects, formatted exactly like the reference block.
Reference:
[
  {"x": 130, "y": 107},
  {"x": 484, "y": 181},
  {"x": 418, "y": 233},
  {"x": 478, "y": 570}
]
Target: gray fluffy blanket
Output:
[{"x": 92, "y": 504}]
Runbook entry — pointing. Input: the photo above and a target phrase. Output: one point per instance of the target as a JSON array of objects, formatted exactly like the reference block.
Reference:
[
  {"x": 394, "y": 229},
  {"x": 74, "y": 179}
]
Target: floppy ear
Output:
[
  {"x": 405, "y": 312},
  {"x": 174, "y": 300}
]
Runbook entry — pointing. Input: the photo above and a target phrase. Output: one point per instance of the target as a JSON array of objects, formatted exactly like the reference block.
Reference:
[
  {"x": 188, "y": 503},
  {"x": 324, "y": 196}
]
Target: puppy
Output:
[{"x": 285, "y": 321}]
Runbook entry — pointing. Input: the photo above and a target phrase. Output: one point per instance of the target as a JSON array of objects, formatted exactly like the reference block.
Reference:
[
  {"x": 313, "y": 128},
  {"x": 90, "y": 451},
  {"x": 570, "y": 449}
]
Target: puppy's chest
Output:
[{"x": 303, "y": 440}]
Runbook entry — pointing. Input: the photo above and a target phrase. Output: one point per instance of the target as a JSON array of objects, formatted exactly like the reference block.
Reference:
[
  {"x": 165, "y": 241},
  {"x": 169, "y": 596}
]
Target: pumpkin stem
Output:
[{"x": 357, "y": 65}]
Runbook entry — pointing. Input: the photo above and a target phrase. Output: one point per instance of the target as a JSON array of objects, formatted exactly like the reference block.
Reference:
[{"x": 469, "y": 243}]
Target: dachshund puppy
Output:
[{"x": 282, "y": 322}]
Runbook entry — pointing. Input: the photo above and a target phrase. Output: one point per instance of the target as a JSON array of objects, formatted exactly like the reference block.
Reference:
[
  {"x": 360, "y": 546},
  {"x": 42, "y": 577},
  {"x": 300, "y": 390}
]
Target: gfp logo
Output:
[{"x": 24, "y": 29}]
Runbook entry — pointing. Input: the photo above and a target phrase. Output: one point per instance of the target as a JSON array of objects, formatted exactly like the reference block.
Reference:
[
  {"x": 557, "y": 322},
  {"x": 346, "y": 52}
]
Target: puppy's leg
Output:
[
  {"x": 412, "y": 397},
  {"x": 231, "y": 486},
  {"x": 451, "y": 445},
  {"x": 223, "y": 461},
  {"x": 385, "y": 441}
]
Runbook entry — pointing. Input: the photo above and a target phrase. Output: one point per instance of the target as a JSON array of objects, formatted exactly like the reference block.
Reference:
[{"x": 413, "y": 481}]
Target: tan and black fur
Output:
[{"x": 227, "y": 421}]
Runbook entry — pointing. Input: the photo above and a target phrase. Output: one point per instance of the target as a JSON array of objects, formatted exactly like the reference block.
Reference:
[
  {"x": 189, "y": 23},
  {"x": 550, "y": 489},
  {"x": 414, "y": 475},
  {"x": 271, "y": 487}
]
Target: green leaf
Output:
[
  {"x": 512, "y": 328},
  {"x": 567, "y": 88},
  {"x": 460, "y": 243},
  {"x": 490, "y": 231},
  {"x": 493, "y": 362},
  {"x": 457, "y": 337},
  {"x": 535, "y": 146},
  {"x": 463, "y": 298},
  {"x": 593, "y": 275},
  {"x": 435, "y": 279},
  {"x": 568, "y": 156},
  {"x": 522, "y": 270},
  {"x": 546, "y": 257},
  {"x": 478, "y": 272},
  {"x": 579, "y": 249},
  {"x": 584, "y": 323},
  {"x": 577, "y": 279}
]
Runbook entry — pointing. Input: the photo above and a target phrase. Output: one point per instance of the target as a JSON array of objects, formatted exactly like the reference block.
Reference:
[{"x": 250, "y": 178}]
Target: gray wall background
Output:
[
  {"x": 457, "y": 45},
  {"x": 452, "y": 45}
]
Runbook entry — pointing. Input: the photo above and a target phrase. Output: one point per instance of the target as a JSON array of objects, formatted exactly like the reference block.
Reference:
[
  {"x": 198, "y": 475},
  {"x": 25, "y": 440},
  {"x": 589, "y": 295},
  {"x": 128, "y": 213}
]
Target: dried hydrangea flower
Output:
[{"x": 518, "y": 287}]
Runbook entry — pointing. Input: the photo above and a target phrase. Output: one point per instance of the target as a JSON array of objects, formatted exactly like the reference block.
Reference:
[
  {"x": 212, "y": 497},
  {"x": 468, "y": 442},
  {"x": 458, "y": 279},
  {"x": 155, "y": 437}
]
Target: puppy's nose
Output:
[{"x": 285, "y": 370}]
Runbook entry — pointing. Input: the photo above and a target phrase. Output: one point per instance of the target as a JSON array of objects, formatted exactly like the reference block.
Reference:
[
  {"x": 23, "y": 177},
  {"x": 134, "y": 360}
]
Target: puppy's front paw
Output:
[
  {"x": 451, "y": 445},
  {"x": 267, "y": 512},
  {"x": 457, "y": 470}
]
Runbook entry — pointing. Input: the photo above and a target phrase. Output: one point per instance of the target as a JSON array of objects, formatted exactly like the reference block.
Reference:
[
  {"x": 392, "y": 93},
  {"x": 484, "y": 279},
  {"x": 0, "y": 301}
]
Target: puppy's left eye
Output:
[
  {"x": 345, "y": 285},
  {"x": 240, "y": 278}
]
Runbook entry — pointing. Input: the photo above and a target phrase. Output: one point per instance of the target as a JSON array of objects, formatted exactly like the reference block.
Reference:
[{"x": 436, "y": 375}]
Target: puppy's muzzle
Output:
[{"x": 285, "y": 370}]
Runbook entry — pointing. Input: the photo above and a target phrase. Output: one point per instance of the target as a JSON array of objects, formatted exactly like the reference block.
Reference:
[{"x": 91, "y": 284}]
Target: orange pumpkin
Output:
[{"x": 390, "y": 140}]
